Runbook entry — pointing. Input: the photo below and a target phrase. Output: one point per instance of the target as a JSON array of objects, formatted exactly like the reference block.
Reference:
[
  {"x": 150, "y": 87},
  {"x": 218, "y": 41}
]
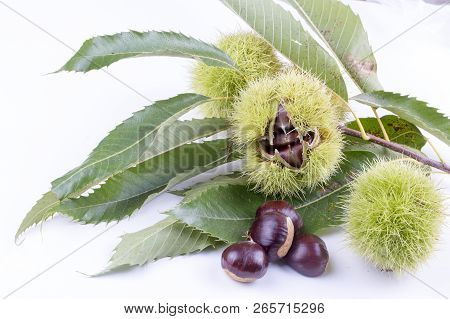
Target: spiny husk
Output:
[
  {"x": 254, "y": 57},
  {"x": 394, "y": 215},
  {"x": 309, "y": 105}
]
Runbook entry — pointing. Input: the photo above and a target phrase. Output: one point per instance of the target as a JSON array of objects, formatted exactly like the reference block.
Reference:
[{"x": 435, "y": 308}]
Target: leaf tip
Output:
[
  {"x": 19, "y": 238},
  {"x": 56, "y": 71},
  {"x": 85, "y": 274}
]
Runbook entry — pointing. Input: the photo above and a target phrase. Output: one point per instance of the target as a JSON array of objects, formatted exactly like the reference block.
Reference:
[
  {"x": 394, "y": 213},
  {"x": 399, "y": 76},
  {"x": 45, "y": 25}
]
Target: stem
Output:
[
  {"x": 398, "y": 148},
  {"x": 358, "y": 122},
  {"x": 361, "y": 127},
  {"x": 383, "y": 130},
  {"x": 435, "y": 150}
]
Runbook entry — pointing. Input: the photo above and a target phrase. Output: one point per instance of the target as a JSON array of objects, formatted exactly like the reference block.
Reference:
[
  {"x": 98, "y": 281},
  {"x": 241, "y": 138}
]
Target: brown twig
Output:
[{"x": 398, "y": 148}]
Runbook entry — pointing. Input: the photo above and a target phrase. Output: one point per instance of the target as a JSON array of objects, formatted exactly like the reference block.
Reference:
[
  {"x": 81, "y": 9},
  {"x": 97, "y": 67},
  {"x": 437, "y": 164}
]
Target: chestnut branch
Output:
[{"x": 397, "y": 148}]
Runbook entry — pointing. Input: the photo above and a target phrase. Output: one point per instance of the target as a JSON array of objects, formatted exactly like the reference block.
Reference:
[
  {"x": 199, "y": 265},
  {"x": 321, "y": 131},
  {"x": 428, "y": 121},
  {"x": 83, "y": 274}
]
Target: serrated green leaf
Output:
[
  {"x": 412, "y": 110},
  {"x": 102, "y": 51},
  {"x": 288, "y": 36},
  {"x": 126, "y": 192},
  {"x": 44, "y": 209},
  {"x": 147, "y": 133},
  {"x": 226, "y": 209},
  {"x": 168, "y": 238},
  {"x": 342, "y": 31},
  {"x": 399, "y": 130}
]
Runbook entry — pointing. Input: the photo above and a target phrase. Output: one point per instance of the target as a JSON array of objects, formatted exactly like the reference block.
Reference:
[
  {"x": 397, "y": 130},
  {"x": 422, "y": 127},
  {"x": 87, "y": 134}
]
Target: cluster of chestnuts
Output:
[{"x": 276, "y": 234}]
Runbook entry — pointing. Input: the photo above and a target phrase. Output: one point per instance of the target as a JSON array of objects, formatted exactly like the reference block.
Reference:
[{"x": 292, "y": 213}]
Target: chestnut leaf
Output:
[
  {"x": 148, "y": 133},
  {"x": 411, "y": 109},
  {"x": 288, "y": 36},
  {"x": 343, "y": 33},
  {"x": 102, "y": 51},
  {"x": 167, "y": 238},
  {"x": 126, "y": 192},
  {"x": 399, "y": 130}
]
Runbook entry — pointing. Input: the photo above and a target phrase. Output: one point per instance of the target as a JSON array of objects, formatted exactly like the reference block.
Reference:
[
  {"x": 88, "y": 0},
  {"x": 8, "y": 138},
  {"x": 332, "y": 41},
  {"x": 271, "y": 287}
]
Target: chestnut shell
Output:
[
  {"x": 282, "y": 120},
  {"x": 274, "y": 232},
  {"x": 245, "y": 261},
  {"x": 280, "y": 140},
  {"x": 282, "y": 207},
  {"x": 308, "y": 255},
  {"x": 292, "y": 154}
]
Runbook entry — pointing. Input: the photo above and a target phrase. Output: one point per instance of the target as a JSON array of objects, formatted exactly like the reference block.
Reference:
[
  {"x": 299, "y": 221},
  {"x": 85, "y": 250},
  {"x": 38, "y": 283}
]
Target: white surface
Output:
[{"x": 50, "y": 123}]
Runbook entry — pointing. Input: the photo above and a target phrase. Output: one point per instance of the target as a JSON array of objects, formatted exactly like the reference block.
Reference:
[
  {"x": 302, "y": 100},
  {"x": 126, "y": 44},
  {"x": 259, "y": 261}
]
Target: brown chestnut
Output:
[
  {"x": 282, "y": 120},
  {"x": 245, "y": 261},
  {"x": 274, "y": 232},
  {"x": 308, "y": 255},
  {"x": 282, "y": 207},
  {"x": 292, "y": 154},
  {"x": 280, "y": 140}
]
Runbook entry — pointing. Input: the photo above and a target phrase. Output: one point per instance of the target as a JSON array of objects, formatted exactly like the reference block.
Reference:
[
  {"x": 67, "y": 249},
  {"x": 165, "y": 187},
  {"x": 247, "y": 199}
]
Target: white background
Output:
[{"x": 49, "y": 124}]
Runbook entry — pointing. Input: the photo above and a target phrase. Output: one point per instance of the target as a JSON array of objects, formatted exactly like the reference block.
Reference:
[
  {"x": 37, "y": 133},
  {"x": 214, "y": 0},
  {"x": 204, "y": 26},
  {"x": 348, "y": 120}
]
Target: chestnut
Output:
[
  {"x": 292, "y": 154},
  {"x": 282, "y": 120},
  {"x": 274, "y": 232},
  {"x": 245, "y": 261},
  {"x": 282, "y": 207},
  {"x": 280, "y": 140},
  {"x": 308, "y": 255}
]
